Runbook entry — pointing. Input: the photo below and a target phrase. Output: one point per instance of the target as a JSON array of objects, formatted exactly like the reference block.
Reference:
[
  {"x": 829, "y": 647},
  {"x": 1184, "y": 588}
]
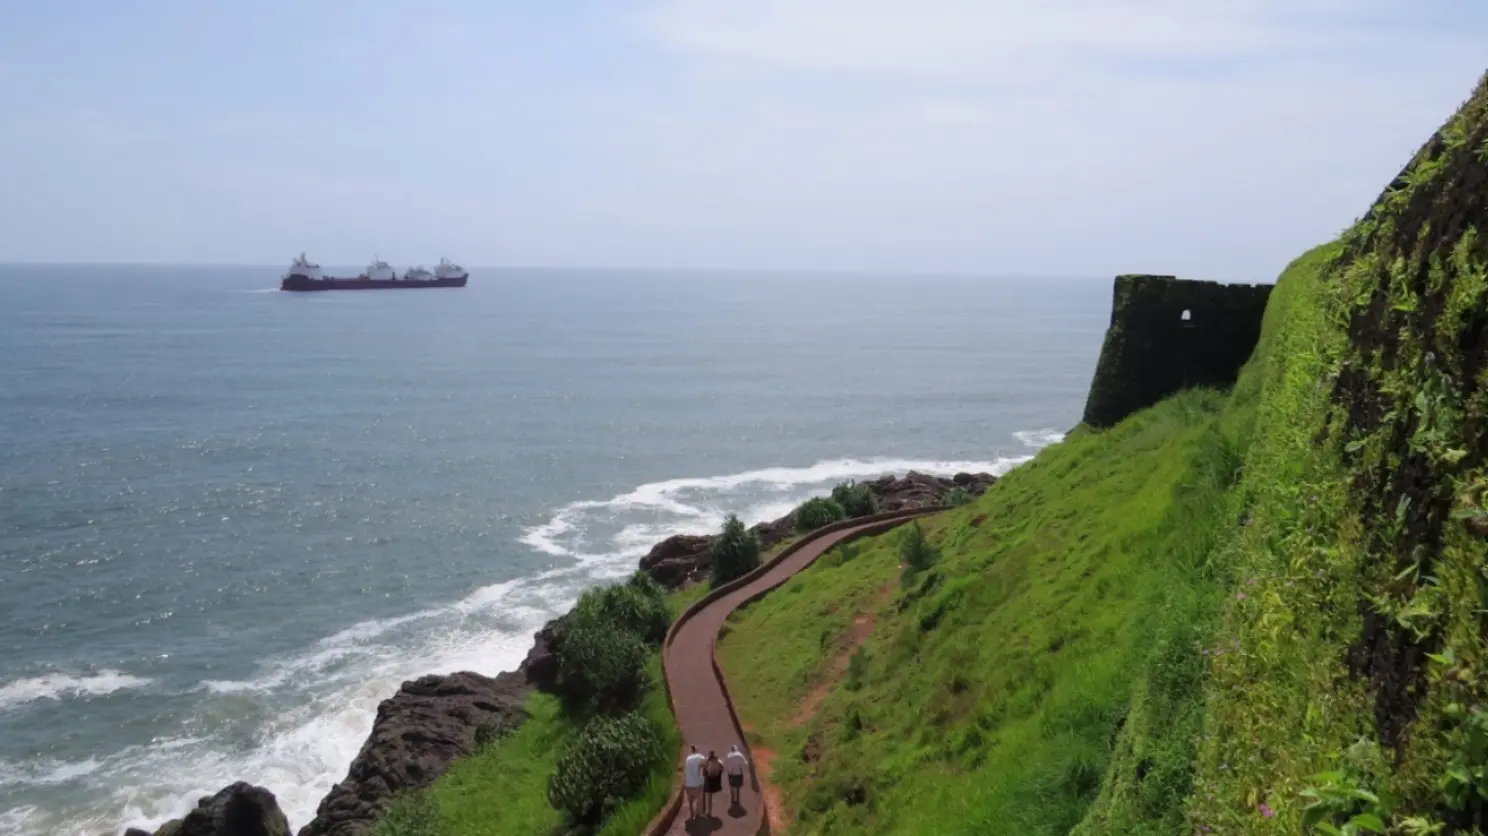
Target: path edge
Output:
[{"x": 871, "y": 525}]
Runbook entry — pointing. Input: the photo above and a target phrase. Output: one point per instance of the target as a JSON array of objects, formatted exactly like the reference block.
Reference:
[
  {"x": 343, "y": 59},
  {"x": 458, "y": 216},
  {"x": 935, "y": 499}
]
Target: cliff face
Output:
[{"x": 1168, "y": 334}]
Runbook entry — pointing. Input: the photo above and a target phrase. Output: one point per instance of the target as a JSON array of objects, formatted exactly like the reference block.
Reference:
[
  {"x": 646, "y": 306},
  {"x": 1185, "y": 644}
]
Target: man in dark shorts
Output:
[
  {"x": 712, "y": 781},
  {"x": 734, "y": 765}
]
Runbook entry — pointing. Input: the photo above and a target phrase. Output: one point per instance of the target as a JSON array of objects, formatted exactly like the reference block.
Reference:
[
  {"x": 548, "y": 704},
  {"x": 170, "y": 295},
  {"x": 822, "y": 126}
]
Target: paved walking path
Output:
[{"x": 699, "y": 699}]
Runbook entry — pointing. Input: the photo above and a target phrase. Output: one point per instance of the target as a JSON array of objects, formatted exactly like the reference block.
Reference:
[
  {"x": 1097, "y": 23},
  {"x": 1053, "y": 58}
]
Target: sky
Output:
[{"x": 1207, "y": 138}]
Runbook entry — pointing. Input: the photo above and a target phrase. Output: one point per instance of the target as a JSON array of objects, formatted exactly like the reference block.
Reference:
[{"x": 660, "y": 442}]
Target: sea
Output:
[{"x": 233, "y": 520}]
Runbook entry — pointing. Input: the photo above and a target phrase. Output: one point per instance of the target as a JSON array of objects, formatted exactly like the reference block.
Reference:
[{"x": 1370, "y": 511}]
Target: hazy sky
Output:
[{"x": 1212, "y": 138}]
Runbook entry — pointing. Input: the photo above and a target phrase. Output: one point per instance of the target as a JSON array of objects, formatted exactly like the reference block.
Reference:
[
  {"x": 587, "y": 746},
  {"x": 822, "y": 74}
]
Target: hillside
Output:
[{"x": 1254, "y": 611}]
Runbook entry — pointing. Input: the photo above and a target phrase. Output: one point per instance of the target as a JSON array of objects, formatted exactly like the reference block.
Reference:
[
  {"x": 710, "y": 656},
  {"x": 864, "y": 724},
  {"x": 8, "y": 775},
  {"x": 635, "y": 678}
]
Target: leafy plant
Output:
[
  {"x": 957, "y": 496},
  {"x": 857, "y": 500},
  {"x": 1465, "y": 781},
  {"x": 629, "y": 607},
  {"x": 916, "y": 552},
  {"x": 736, "y": 552},
  {"x": 815, "y": 513},
  {"x": 1340, "y": 804},
  {"x": 608, "y": 762},
  {"x": 602, "y": 666}
]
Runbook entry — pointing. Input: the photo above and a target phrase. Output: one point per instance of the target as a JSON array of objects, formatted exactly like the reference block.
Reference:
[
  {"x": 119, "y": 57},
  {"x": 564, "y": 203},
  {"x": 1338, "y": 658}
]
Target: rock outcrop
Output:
[
  {"x": 237, "y": 810},
  {"x": 418, "y": 732},
  {"x": 686, "y": 558}
]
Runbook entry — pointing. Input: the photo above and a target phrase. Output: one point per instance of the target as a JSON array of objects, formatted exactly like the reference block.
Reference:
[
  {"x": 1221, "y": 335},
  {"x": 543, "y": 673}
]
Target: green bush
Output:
[
  {"x": 956, "y": 497},
  {"x": 736, "y": 552},
  {"x": 647, "y": 585},
  {"x": 601, "y": 665},
  {"x": 915, "y": 551},
  {"x": 815, "y": 513},
  {"x": 609, "y": 762},
  {"x": 628, "y": 607},
  {"x": 410, "y": 814},
  {"x": 857, "y": 500}
]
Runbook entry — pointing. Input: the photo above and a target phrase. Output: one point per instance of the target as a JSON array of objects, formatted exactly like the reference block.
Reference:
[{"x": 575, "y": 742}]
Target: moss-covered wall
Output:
[{"x": 1169, "y": 334}]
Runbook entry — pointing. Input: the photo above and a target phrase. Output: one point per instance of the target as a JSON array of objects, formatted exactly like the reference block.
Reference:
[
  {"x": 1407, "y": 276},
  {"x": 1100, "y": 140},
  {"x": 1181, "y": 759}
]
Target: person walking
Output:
[
  {"x": 692, "y": 781},
  {"x": 712, "y": 781},
  {"x": 734, "y": 764}
]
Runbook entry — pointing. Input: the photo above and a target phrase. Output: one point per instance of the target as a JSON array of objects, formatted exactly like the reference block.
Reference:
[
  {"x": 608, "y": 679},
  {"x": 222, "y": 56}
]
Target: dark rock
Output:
[
  {"x": 237, "y": 810},
  {"x": 540, "y": 668},
  {"x": 771, "y": 533},
  {"x": 680, "y": 571},
  {"x": 674, "y": 547},
  {"x": 419, "y": 731},
  {"x": 135, "y": 831}
]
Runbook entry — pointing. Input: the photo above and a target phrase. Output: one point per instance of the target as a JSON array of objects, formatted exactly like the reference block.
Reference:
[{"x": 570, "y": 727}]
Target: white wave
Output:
[
  {"x": 1039, "y": 439},
  {"x": 56, "y": 686},
  {"x": 699, "y": 505}
]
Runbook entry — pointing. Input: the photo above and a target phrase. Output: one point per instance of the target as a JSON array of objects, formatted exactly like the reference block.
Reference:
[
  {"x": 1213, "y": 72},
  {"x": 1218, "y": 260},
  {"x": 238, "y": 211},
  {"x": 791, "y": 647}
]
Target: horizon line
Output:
[{"x": 826, "y": 271}]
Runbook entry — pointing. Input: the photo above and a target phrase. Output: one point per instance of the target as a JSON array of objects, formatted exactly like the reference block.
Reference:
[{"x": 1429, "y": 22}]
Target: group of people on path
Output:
[{"x": 704, "y": 776}]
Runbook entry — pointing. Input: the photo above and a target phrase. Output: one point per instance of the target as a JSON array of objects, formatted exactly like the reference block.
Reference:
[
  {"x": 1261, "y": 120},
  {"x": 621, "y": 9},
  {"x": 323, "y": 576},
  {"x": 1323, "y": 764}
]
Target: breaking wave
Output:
[{"x": 54, "y": 686}]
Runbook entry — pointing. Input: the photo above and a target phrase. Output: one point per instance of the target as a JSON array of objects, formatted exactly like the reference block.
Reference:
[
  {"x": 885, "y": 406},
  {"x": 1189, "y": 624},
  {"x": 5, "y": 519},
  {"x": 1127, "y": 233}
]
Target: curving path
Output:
[{"x": 695, "y": 684}]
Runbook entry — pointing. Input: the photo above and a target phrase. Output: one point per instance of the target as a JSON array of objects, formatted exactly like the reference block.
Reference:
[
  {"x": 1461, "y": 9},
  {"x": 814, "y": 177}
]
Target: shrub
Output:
[
  {"x": 815, "y": 513},
  {"x": 609, "y": 762},
  {"x": 957, "y": 496},
  {"x": 410, "y": 814},
  {"x": 600, "y": 664},
  {"x": 916, "y": 552},
  {"x": 647, "y": 585},
  {"x": 857, "y": 500},
  {"x": 627, "y": 607},
  {"x": 736, "y": 552},
  {"x": 491, "y": 732}
]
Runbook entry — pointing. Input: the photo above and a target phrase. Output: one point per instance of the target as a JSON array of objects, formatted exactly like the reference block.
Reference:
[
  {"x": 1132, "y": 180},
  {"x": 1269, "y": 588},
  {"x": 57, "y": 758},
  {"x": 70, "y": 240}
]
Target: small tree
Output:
[
  {"x": 916, "y": 552},
  {"x": 608, "y": 762},
  {"x": 627, "y": 607},
  {"x": 957, "y": 496},
  {"x": 815, "y": 513},
  {"x": 736, "y": 552},
  {"x": 601, "y": 664},
  {"x": 857, "y": 500}
]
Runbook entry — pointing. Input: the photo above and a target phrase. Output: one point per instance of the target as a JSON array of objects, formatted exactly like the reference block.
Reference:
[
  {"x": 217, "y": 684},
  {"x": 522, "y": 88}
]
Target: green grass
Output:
[
  {"x": 503, "y": 789},
  {"x": 988, "y": 697}
]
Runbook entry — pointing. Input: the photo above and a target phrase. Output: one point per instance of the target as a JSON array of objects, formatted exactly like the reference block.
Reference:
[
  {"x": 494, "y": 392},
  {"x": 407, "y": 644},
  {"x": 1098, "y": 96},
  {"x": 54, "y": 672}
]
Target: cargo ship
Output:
[{"x": 304, "y": 274}]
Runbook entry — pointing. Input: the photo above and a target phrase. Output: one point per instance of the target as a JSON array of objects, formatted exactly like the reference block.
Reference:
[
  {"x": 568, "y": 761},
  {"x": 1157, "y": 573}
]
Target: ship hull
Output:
[{"x": 305, "y": 283}]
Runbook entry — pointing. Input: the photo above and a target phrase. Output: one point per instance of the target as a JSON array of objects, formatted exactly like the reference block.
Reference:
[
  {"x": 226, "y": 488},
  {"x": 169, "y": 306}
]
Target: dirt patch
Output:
[
  {"x": 764, "y": 770},
  {"x": 862, "y": 628}
]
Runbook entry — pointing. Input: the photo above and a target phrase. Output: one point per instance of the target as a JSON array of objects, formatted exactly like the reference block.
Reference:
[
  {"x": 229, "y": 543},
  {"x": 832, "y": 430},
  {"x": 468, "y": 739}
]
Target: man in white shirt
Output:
[
  {"x": 692, "y": 782},
  {"x": 734, "y": 764}
]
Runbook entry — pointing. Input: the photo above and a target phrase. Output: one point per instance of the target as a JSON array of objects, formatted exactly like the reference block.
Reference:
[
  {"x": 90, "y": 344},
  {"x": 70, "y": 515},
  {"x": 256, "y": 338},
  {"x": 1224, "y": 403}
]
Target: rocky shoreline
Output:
[{"x": 434, "y": 720}]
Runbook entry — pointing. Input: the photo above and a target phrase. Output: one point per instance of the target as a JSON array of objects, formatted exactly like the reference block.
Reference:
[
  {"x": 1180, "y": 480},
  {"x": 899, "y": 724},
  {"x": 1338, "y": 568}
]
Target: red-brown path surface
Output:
[{"x": 698, "y": 698}]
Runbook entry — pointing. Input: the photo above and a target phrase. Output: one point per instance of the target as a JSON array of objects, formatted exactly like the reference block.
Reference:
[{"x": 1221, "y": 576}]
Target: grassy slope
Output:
[
  {"x": 503, "y": 789},
  {"x": 990, "y": 703}
]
